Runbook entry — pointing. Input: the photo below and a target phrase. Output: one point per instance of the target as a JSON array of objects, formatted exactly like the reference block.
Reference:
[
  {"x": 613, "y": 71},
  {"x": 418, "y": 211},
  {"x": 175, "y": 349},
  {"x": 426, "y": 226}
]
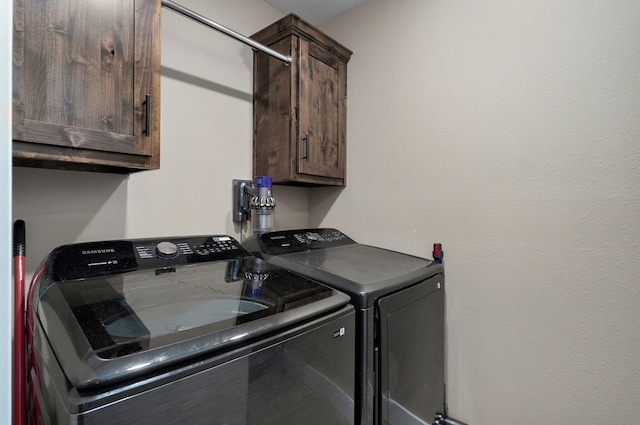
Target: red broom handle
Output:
[{"x": 19, "y": 370}]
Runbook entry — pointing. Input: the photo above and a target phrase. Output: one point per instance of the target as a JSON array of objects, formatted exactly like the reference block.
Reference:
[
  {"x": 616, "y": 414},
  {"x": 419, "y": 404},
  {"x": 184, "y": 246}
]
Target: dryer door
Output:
[{"x": 410, "y": 353}]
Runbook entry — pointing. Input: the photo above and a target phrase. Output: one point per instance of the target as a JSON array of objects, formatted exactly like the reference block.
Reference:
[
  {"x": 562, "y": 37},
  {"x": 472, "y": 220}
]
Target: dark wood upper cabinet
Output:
[
  {"x": 300, "y": 110},
  {"x": 86, "y": 84}
]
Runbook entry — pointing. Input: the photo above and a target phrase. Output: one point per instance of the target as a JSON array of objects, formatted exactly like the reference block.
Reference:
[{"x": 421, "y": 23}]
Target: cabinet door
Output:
[
  {"x": 321, "y": 142},
  {"x": 82, "y": 73}
]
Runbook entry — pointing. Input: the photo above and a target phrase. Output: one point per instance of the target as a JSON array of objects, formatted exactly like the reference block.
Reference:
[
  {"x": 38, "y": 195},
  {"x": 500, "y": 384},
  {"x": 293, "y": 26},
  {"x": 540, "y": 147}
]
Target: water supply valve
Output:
[{"x": 438, "y": 253}]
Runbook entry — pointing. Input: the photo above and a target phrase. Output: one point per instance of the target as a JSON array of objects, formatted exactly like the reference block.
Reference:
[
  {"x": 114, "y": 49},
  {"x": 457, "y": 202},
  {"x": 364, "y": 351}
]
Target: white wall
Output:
[
  {"x": 6, "y": 299},
  {"x": 509, "y": 131},
  {"x": 207, "y": 111}
]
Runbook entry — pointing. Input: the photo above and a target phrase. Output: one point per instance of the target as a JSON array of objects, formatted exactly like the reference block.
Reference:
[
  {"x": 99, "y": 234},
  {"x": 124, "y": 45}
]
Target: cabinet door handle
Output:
[
  {"x": 147, "y": 118},
  {"x": 306, "y": 147}
]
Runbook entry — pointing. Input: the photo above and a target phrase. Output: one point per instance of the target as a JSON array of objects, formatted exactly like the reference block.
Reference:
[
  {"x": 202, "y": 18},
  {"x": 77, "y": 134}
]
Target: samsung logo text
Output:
[{"x": 98, "y": 251}]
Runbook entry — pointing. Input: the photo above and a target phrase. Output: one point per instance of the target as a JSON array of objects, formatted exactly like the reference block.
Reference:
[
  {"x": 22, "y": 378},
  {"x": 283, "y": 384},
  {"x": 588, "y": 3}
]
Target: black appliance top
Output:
[
  {"x": 329, "y": 256},
  {"x": 115, "y": 309}
]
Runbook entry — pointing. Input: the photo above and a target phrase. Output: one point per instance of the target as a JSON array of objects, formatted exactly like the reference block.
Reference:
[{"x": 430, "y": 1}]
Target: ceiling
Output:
[{"x": 316, "y": 12}]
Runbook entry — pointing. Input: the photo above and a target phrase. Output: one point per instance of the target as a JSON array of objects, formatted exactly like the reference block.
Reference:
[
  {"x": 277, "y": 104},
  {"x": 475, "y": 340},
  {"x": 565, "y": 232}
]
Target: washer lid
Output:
[{"x": 108, "y": 328}]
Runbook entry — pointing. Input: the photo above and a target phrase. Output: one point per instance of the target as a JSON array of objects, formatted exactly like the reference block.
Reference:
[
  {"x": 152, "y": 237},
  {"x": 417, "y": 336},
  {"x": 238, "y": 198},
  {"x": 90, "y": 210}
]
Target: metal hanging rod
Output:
[{"x": 216, "y": 26}]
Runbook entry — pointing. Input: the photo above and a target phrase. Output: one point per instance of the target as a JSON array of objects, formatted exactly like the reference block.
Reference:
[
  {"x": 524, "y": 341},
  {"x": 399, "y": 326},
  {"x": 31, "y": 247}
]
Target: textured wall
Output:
[{"x": 509, "y": 131}]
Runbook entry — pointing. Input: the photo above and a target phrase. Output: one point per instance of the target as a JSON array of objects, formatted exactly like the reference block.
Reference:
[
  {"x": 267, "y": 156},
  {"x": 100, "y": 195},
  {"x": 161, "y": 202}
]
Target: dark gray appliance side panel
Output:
[
  {"x": 365, "y": 379},
  {"x": 46, "y": 383},
  {"x": 306, "y": 379},
  {"x": 411, "y": 353}
]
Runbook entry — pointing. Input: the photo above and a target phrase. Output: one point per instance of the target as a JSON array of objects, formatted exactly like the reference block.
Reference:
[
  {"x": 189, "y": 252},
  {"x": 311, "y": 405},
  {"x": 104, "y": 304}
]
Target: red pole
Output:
[{"x": 19, "y": 370}]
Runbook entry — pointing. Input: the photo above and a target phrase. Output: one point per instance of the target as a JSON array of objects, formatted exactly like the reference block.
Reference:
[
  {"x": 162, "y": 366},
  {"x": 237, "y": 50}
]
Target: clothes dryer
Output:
[{"x": 399, "y": 301}]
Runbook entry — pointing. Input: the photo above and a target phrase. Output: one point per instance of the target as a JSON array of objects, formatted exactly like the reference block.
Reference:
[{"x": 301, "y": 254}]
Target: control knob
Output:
[
  {"x": 166, "y": 250},
  {"x": 312, "y": 236}
]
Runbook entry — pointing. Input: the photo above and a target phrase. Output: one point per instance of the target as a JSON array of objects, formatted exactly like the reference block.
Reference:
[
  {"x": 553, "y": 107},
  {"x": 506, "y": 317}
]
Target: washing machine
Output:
[
  {"x": 399, "y": 301},
  {"x": 185, "y": 330}
]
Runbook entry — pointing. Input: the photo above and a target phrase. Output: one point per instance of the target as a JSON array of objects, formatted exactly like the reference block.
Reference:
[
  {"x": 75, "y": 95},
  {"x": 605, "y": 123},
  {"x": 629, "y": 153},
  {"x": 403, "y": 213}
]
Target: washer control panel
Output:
[
  {"x": 288, "y": 241},
  {"x": 193, "y": 249},
  {"x": 91, "y": 259}
]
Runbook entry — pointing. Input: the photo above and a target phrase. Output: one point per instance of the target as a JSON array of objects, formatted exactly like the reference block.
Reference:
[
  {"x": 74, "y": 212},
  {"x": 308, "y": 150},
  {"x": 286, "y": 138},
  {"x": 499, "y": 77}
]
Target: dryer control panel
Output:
[{"x": 288, "y": 241}]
